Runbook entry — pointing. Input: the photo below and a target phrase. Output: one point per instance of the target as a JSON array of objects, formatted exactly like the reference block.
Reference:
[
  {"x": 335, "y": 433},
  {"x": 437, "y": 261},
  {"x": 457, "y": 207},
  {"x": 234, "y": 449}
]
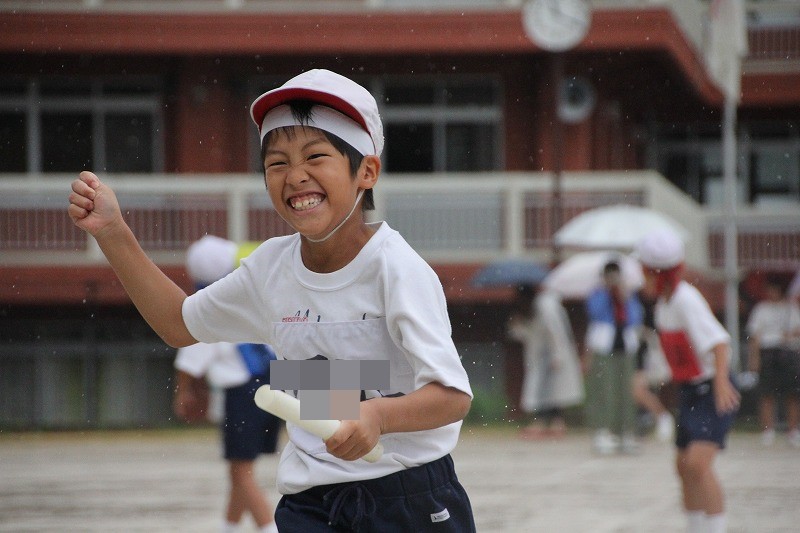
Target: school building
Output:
[{"x": 494, "y": 139}]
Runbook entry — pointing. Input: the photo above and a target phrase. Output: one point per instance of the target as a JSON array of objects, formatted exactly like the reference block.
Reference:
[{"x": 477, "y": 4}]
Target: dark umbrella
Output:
[{"x": 510, "y": 273}]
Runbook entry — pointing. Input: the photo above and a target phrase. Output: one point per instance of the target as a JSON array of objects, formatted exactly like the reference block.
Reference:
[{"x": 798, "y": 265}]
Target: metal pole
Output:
[
  {"x": 558, "y": 157},
  {"x": 730, "y": 235}
]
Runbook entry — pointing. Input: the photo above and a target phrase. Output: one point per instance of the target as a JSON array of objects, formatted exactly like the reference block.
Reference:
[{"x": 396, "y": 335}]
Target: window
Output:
[
  {"x": 774, "y": 172},
  {"x": 13, "y": 149},
  {"x": 66, "y": 142},
  {"x": 66, "y": 125},
  {"x": 768, "y": 164},
  {"x": 409, "y": 147},
  {"x": 129, "y": 145},
  {"x": 431, "y": 124},
  {"x": 441, "y": 124},
  {"x": 774, "y": 158}
]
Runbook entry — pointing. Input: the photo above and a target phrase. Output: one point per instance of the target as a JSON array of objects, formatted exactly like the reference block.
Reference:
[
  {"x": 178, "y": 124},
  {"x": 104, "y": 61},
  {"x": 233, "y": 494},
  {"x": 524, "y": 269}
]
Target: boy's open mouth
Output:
[{"x": 306, "y": 202}]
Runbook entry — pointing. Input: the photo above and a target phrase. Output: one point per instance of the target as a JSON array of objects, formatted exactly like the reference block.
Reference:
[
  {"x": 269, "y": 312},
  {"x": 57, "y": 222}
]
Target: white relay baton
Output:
[{"x": 287, "y": 407}]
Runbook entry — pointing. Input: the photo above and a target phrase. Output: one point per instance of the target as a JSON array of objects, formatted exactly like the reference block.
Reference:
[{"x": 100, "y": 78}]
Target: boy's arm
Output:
[
  {"x": 753, "y": 353},
  {"x": 726, "y": 396},
  {"x": 431, "y": 406},
  {"x": 190, "y": 401},
  {"x": 94, "y": 208},
  {"x": 586, "y": 358},
  {"x": 794, "y": 323}
]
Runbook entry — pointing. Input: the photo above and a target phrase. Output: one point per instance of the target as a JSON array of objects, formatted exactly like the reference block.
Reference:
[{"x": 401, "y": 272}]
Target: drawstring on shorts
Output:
[{"x": 350, "y": 496}]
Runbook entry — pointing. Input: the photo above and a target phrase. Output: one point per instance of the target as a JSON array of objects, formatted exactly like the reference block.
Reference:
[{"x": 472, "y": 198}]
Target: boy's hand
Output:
[
  {"x": 190, "y": 406},
  {"x": 356, "y": 438},
  {"x": 190, "y": 402},
  {"x": 726, "y": 397},
  {"x": 93, "y": 206}
]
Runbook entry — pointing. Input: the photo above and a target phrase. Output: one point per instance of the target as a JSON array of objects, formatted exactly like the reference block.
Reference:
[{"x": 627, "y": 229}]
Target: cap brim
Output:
[{"x": 272, "y": 99}]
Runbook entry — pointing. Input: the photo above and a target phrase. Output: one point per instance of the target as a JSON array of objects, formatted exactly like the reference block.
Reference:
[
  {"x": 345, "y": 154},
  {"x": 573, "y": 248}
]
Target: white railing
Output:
[
  {"x": 768, "y": 237},
  {"x": 449, "y": 218}
]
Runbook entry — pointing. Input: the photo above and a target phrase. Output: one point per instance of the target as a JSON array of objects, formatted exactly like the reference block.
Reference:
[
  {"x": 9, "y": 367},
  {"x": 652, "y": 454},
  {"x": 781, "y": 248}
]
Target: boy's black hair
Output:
[
  {"x": 523, "y": 302},
  {"x": 301, "y": 110},
  {"x": 777, "y": 281},
  {"x": 611, "y": 266}
]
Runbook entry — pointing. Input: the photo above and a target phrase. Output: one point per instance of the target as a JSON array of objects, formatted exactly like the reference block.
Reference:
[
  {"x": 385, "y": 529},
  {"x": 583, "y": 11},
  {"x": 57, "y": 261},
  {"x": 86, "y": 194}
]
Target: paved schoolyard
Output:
[{"x": 173, "y": 480}]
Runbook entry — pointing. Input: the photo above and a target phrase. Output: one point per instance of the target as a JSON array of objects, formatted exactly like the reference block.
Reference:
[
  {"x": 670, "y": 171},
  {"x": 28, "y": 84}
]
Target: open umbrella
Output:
[
  {"x": 618, "y": 227},
  {"x": 577, "y": 276},
  {"x": 509, "y": 273}
]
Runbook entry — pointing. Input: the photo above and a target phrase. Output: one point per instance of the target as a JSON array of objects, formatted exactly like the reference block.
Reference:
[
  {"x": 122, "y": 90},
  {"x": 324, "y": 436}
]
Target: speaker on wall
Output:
[{"x": 576, "y": 99}]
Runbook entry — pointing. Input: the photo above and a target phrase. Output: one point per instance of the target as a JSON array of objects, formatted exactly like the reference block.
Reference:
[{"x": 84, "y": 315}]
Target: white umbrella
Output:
[
  {"x": 616, "y": 226},
  {"x": 577, "y": 276}
]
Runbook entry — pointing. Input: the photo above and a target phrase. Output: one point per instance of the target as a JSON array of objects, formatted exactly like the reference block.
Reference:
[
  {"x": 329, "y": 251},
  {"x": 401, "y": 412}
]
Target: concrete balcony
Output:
[{"x": 450, "y": 219}]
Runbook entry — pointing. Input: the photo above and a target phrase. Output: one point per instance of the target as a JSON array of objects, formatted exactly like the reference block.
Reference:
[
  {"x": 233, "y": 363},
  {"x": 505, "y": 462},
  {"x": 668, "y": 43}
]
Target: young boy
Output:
[
  {"x": 697, "y": 349},
  {"x": 612, "y": 340},
  {"x": 772, "y": 326},
  {"x": 340, "y": 288},
  {"x": 239, "y": 370}
]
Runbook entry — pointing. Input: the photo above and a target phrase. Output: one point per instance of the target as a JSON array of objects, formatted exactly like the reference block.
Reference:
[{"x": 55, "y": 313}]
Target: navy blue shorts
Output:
[
  {"x": 248, "y": 431},
  {"x": 425, "y": 498},
  {"x": 698, "y": 419},
  {"x": 780, "y": 372}
]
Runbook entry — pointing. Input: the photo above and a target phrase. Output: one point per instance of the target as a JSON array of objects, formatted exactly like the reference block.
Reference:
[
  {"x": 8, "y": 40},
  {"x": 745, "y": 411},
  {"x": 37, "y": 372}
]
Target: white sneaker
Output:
[
  {"x": 665, "y": 427},
  {"x": 794, "y": 438},
  {"x": 604, "y": 442},
  {"x": 630, "y": 444},
  {"x": 768, "y": 437},
  {"x": 269, "y": 528}
]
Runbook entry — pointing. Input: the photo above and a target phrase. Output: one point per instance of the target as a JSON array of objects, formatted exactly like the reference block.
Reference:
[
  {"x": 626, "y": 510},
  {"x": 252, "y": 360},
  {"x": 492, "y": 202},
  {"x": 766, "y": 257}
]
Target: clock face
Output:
[{"x": 556, "y": 25}]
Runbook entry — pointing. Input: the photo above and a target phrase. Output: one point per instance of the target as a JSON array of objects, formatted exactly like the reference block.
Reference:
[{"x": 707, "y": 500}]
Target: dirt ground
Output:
[{"x": 174, "y": 480}]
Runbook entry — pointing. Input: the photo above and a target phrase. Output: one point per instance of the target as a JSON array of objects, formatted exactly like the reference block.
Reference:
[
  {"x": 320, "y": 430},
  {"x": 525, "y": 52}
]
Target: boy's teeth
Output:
[{"x": 306, "y": 203}]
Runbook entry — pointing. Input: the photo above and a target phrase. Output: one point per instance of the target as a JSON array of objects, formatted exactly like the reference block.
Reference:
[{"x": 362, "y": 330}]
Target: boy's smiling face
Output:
[{"x": 309, "y": 181}]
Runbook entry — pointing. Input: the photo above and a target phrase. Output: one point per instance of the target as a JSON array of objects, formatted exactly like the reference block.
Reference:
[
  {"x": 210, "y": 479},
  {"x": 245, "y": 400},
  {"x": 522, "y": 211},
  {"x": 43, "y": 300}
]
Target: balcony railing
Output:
[{"x": 450, "y": 218}]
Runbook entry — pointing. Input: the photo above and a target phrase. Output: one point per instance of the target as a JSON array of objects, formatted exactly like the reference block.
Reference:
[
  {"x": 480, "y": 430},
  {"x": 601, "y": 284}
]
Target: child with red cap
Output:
[
  {"x": 340, "y": 288},
  {"x": 697, "y": 349}
]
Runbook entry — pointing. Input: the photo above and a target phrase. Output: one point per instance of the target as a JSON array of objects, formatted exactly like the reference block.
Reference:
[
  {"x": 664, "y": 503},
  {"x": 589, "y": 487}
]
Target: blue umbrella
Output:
[{"x": 510, "y": 273}]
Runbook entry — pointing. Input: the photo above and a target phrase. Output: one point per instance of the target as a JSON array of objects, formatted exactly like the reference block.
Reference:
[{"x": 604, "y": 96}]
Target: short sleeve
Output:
[
  {"x": 754, "y": 320},
  {"x": 416, "y": 312},
  {"x": 703, "y": 328},
  {"x": 195, "y": 359},
  {"x": 228, "y": 310}
]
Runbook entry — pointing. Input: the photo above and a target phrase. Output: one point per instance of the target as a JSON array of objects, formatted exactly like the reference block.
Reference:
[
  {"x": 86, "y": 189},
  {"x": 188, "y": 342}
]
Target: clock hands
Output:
[{"x": 556, "y": 9}]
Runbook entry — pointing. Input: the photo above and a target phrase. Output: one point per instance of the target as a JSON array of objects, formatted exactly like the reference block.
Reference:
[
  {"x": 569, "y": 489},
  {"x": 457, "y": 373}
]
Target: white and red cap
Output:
[
  {"x": 346, "y": 109},
  {"x": 662, "y": 249}
]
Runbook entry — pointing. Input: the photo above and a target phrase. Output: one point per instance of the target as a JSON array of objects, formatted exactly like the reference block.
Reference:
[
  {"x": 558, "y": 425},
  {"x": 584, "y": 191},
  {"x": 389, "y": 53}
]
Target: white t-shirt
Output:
[
  {"x": 220, "y": 362},
  {"x": 387, "y": 303},
  {"x": 688, "y": 331},
  {"x": 772, "y": 321}
]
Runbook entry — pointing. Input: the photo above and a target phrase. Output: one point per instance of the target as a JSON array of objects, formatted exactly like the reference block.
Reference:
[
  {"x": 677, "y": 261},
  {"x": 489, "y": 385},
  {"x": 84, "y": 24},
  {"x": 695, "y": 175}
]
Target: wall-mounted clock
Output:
[{"x": 557, "y": 25}]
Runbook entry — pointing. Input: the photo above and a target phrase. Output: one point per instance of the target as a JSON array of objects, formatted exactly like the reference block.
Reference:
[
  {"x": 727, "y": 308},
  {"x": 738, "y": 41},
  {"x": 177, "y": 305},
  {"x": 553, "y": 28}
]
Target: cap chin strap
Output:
[{"x": 334, "y": 230}]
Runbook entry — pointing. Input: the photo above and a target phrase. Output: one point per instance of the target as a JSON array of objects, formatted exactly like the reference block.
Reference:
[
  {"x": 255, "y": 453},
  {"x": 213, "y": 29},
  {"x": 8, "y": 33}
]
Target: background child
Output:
[
  {"x": 697, "y": 349},
  {"x": 340, "y": 288},
  {"x": 612, "y": 341},
  {"x": 552, "y": 379},
  {"x": 773, "y": 324},
  {"x": 238, "y": 370}
]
